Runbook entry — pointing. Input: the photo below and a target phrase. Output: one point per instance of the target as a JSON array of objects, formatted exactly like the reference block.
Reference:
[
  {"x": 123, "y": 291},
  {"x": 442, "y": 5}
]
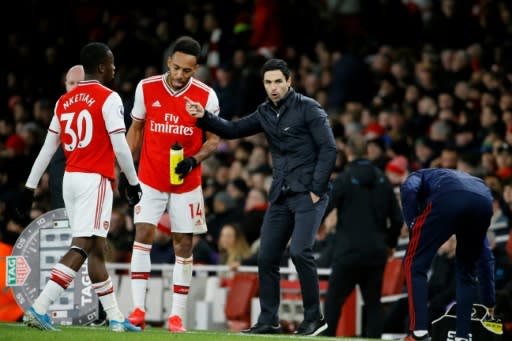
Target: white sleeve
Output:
[
  {"x": 212, "y": 104},
  {"x": 124, "y": 157},
  {"x": 139, "y": 108},
  {"x": 54, "y": 125},
  {"x": 50, "y": 145},
  {"x": 113, "y": 114}
]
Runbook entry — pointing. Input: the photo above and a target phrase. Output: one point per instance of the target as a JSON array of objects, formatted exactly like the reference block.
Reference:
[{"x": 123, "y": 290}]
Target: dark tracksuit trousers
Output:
[
  {"x": 465, "y": 214},
  {"x": 297, "y": 217}
]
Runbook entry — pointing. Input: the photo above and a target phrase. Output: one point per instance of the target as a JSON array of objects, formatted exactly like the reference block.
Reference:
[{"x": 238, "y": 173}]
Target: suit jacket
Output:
[{"x": 300, "y": 140}]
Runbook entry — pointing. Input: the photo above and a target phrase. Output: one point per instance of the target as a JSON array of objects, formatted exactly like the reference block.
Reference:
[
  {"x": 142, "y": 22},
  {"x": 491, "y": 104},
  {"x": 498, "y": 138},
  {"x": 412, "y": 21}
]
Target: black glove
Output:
[
  {"x": 23, "y": 206},
  {"x": 133, "y": 194},
  {"x": 185, "y": 166}
]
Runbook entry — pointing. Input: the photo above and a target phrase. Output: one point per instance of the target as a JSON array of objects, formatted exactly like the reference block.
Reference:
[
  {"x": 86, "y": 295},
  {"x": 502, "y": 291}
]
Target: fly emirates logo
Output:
[{"x": 170, "y": 126}]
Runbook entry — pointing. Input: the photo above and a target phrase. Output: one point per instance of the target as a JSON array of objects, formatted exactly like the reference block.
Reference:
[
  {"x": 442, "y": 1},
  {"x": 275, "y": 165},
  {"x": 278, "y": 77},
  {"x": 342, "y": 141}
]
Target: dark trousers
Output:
[
  {"x": 467, "y": 215},
  {"x": 297, "y": 217},
  {"x": 342, "y": 281}
]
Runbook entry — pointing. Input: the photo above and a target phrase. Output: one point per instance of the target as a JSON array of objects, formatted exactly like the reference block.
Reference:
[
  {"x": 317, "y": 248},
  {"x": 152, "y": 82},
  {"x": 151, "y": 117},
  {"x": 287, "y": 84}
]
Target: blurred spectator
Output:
[
  {"x": 11, "y": 143},
  {"x": 232, "y": 245},
  {"x": 162, "y": 250},
  {"x": 376, "y": 152},
  {"x": 266, "y": 37},
  {"x": 74, "y": 75},
  {"x": 202, "y": 251},
  {"x": 224, "y": 212},
  {"x": 451, "y": 25},
  {"x": 503, "y": 155},
  {"x": 350, "y": 82},
  {"x": 228, "y": 91},
  {"x": 448, "y": 158},
  {"x": 397, "y": 170},
  {"x": 256, "y": 205},
  {"x": 238, "y": 189},
  {"x": 423, "y": 153},
  {"x": 119, "y": 238},
  {"x": 499, "y": 222}
]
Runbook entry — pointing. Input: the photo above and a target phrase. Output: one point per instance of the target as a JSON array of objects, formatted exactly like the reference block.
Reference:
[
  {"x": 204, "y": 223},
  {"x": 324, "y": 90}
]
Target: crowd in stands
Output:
[{"x": 427, "y": 82}]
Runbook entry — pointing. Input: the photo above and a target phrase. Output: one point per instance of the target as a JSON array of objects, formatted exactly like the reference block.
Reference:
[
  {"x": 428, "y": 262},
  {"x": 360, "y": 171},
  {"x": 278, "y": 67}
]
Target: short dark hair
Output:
[
  {"x": 187, "y": 45},
  {"x": 357, "y": 145},
  {"x": 92, "y": 55},
  {"x": 276, "y": 64}
]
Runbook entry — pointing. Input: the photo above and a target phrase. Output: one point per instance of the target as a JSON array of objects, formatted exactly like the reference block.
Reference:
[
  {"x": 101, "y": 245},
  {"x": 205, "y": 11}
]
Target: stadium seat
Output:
[
  {"x": 238, "y": 303},
  {"x": 290, "y": 289},
  {"x": 347, "y": 322},
  {"x": 394, "y": 278}
]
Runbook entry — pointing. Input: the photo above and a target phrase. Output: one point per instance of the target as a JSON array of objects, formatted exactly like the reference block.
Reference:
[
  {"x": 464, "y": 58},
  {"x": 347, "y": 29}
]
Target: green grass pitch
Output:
[{"x": 17, "y": 331}]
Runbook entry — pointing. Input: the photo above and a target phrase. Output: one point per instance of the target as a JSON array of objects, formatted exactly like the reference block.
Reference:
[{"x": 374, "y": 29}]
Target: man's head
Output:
[
  {"x": 98, "y": 62},
  {"x": 356, "y": 147},
  {"x": 75, "y": 74},
  {"x": 449, "y": 157},
  {"x": 183, "y": 62},
  {"x": 276, "y": 79}
]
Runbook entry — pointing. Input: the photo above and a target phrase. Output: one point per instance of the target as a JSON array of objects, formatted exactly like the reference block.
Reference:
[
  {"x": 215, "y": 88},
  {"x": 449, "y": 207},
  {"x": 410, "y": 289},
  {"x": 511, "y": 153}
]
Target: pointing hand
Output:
[{"x": 195, "y": 109}]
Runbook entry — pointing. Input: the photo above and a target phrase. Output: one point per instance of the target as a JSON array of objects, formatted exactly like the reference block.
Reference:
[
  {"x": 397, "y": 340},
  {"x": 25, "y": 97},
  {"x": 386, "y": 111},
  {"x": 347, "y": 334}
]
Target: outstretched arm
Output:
[{"x": 246, "y": 126}]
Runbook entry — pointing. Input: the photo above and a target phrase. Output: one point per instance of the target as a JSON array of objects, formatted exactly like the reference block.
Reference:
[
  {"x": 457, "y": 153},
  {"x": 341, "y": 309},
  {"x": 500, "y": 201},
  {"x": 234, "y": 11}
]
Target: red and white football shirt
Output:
[
  {"x": 84, "y": 118},
  {"x": 167, "y": 122}
]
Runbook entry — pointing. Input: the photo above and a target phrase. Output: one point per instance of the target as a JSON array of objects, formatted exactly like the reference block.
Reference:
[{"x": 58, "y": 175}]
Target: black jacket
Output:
[
  {"x": 366, "y": 202},
  {"x": 299, "y": 136}
]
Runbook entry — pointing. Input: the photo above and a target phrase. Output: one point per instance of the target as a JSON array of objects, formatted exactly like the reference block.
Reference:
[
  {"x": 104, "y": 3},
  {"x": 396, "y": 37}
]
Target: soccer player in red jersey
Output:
[
  {"x": 88, "y": 122},
  {"x": 160, "y": 121}
]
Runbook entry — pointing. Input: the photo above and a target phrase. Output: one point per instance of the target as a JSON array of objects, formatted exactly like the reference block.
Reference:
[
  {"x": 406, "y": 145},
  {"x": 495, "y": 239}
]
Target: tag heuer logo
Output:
[{"x": 17, "y": 271}]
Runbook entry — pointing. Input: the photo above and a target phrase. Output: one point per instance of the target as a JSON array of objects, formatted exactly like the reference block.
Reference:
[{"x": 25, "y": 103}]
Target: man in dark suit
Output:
[{"x": 303, "y": 156}]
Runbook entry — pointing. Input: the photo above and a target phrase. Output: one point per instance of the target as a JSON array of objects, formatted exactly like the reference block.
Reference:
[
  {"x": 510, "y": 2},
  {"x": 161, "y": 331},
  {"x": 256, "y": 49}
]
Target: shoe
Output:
[
  {"x": 40, "y": 321},
  {"x": 138, "y": 318},
  {"x": 175, "y": 324},
  {"x": 312, "y": 328},
  {"x": 412, "y": 337},
  {"x": 123, "y": 326},
  {"x": 260, "y": 328}
]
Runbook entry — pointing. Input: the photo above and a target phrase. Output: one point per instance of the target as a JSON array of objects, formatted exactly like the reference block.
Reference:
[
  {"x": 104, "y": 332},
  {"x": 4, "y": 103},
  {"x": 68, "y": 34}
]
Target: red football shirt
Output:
[
  {"x": 167, "y": 122},
  {"x": 84, "y": 118}
]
